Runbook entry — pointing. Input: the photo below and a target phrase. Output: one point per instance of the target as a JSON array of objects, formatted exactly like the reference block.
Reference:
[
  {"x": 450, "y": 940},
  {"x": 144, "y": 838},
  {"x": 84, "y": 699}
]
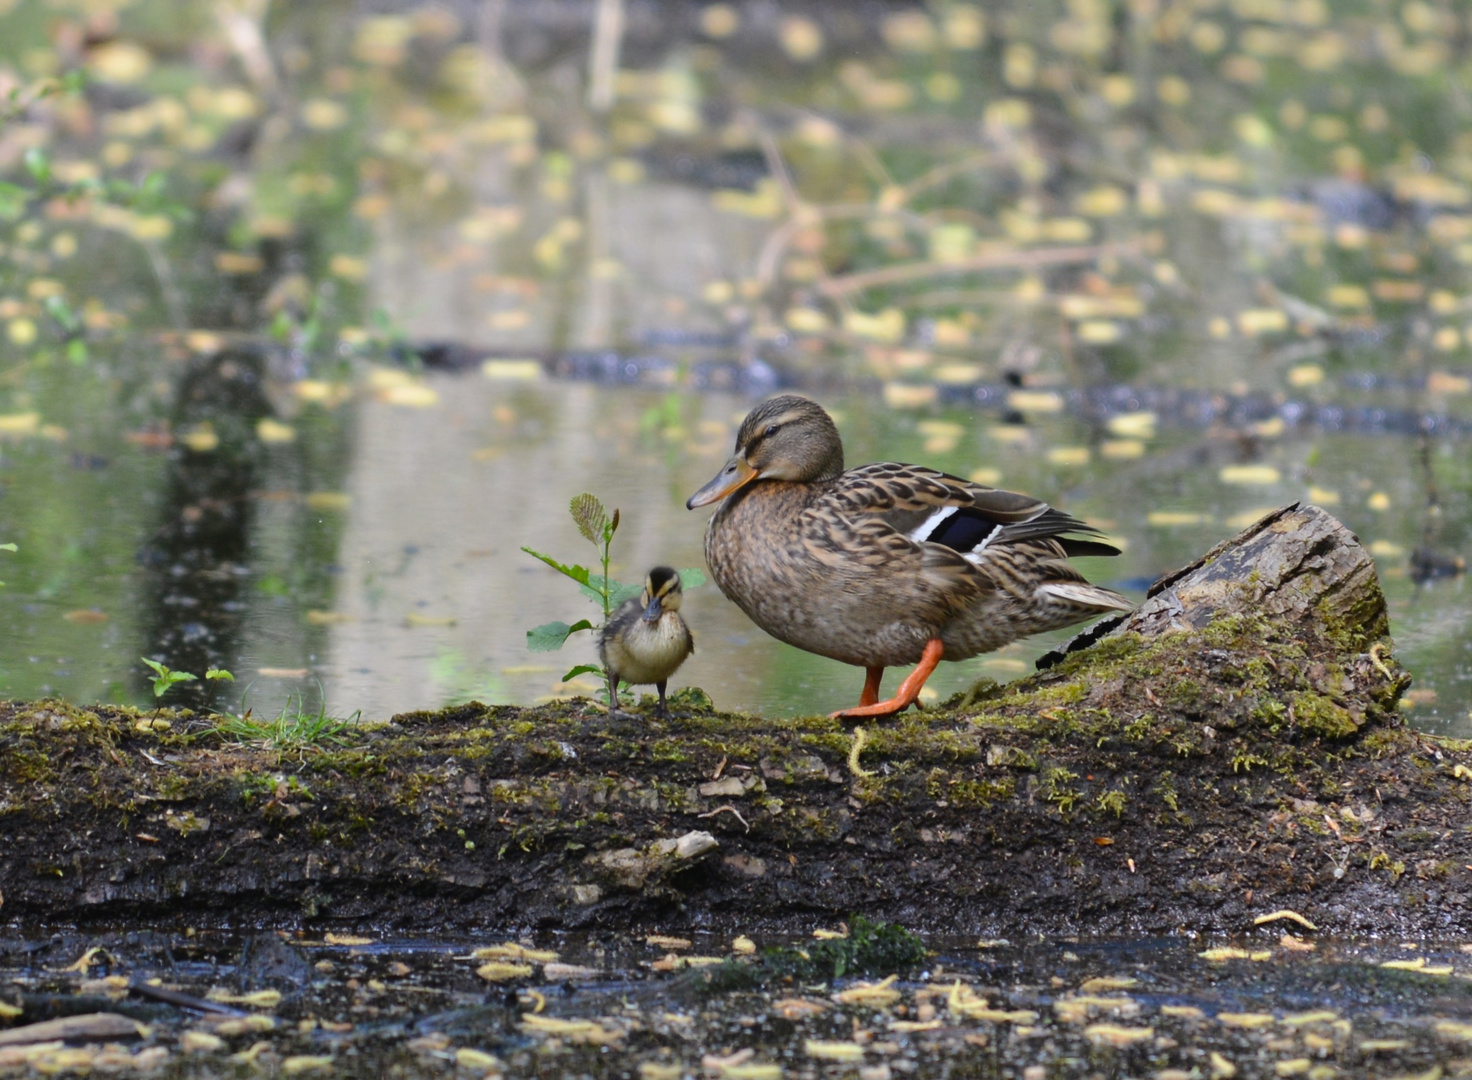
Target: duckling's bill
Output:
[{"x": 735, "y": 474}]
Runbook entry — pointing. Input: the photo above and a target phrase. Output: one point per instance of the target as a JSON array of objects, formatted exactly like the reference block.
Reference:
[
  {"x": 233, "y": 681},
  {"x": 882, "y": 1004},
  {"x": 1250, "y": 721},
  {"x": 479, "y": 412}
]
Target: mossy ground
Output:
[{"x": 1191, "y": 780}]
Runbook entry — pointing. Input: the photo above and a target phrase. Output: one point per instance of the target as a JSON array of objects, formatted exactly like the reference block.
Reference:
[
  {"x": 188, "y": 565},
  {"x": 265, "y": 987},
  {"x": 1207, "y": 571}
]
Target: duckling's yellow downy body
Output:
[
  {"x": 646, "y": 640},
  {"x": 887, "y": 564}
]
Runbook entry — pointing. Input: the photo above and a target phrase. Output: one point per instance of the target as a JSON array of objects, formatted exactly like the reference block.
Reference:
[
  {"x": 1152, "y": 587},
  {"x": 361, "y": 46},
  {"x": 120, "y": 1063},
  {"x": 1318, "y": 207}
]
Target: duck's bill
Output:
[
  {"x": 734, "y": 474},
  {"x": 653, "y": 611}
]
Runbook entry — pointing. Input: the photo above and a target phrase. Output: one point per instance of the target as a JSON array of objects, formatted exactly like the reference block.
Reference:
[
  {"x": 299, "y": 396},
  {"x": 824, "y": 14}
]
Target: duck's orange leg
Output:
[
  {"x": 905, "y": 696},
  {"x": 871, "y": 686}
]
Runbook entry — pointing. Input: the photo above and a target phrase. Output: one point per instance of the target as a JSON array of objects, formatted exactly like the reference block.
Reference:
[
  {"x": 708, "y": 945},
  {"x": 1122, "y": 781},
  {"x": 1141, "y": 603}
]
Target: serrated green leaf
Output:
[
  {"x": 591, "y": 517},
  {"x": 619, "y": 593},
  {"x": 549, "y": 637},
  {"x": 577, "y": 573},
  {"x": 582, "y": 669},
  {"x": 691, "y": 578}
]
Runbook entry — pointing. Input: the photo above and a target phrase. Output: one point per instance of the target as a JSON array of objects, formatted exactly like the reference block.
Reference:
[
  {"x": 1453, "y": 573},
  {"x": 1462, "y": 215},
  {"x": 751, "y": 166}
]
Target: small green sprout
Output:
[
  {"x": 7, "y": 547},
  {"x": 164, "y": 678}
]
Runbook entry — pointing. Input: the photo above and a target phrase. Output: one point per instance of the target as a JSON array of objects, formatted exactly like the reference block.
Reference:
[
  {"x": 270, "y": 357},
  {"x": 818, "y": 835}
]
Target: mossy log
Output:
[{"x": 1230, "y": 749}]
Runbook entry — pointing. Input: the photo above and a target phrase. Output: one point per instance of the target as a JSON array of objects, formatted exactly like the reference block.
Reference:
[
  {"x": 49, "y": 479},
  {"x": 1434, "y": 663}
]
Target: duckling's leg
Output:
[
  {"x": 871, "y": 686},
  {"x": 664, "y": 709},
  {"x": 909, "y": 690},
  {"x": 613, "y": 701}
]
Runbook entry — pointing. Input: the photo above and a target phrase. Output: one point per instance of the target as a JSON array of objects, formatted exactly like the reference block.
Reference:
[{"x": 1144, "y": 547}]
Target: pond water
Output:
[
  {"x": 412, "y": 277},
  {"x": 664, "y": 1006}
]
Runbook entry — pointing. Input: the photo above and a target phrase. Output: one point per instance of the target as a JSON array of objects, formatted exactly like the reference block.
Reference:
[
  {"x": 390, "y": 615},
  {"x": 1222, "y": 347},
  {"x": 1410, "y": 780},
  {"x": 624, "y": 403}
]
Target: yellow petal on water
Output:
[
  {"x": 1221, "y": 1068},
  {"x": 876, "y": 994},
  {"x": 19, "y": 425},
  {"x": 1454, "y": 1029},
  {"x": 329, "y": 618},
  {"x": 1121, "y": 449},
  {"x": 752, "y": 1071},
  {"x": 21, "y": 331},
  {"x": 1371, "y": 1046},
  {"x": 409, "y": 396},
  {"x": 1247, "y": 1021},
  {"x": 257, "y": 999},
  {"x": 833, "y": 1050},
  {"x": 200, "y": 1042},
  {"x": 1136, "y": 425},
  {"x": 1323, "y": 496},
  {"x": 1185, "y": 1012},
  {"x": 1440, "y": 383},
  {"x": 510, "y": 950},
  {"x": 1171, "y": 519},
  {"x": 1348, "y": 296},
  {"x": 1305, "y": 375},
  {"x": 1283, "y": 913},
  {"x": 1378, "y": 500},
  {"x": 477, "y": 1060},
  {"x": 1099, "y": 332},
  {"x": 743, "y": 946},
  {"x": 986, "y": 477},
  {"x": 1292, "y": 1067},
  {"x": 908, "y": 395},
  {"x": 801, "y": 38},
  {"x": 328, "y": 500},
  {"x": 86, "y": 617},
  {"x": 958, "y": 374},
  {"x": 658, "y": 1070},
  {"x": 1317, "y": 1016},
  {"x": 1224, "y": 952},
  {"x": 416, "y": 619},
  {"x": 806, "y": 320},
  {"x": 1115, "y": 1035},
  {"x": 324, "y": 114},
  {"x": 1104, "y": 201},
  {"x": 1405, "y": 965},
  {"x": 887, "y": 326},
  {"x": 1249, "y": 475},
  {"x": 501, "y": 971},
  {"x": 1294, "y": 944},
  {"x": 1109, "y": 982},
  {"x": 512, "y": 370},
  {"x": 1387, "y": 549},
  {"x": 202, "y": 438},
  {"x": 348, "y": 266},
  {"x": 306, "y": 1063},
  {"x": 1255, "y": 321},
  {"x": 1069, "y": 455},
  {"x": 274, "y": 431},
  {"x": 120, "y": 61},
  {"x": 1037, "y": 401}
]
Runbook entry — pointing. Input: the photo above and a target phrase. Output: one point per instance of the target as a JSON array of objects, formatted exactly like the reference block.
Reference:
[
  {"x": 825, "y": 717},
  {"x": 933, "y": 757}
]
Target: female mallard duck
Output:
[
  {"x": 646, "y": 639},
  {"x": 886, "y": 564}
]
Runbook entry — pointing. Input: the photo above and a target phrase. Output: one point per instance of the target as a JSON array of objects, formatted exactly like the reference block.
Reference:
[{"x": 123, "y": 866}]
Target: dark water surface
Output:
[{"x": 607, "y": 1005}]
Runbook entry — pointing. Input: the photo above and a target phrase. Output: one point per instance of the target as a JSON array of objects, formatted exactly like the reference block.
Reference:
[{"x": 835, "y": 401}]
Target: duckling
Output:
[
  {"x": 887, "y": 564},
  {"x": 646, "y": 640}
]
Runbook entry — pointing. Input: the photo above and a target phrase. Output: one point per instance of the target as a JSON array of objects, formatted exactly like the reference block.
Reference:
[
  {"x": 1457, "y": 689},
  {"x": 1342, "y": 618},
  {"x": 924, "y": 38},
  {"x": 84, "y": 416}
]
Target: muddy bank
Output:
[{"x": 1231, "y": 749}]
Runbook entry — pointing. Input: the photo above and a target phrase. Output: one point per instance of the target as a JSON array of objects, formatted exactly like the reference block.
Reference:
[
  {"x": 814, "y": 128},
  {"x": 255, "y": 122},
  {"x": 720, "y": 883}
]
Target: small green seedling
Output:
[
  {"x": 598, "y": 527},
  {"x": 164, "y": 678}
]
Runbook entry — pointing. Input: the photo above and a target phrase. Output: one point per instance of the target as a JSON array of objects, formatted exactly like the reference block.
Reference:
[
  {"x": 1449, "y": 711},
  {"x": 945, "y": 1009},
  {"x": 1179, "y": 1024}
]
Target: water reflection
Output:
[{"x": 197, "y": 562}]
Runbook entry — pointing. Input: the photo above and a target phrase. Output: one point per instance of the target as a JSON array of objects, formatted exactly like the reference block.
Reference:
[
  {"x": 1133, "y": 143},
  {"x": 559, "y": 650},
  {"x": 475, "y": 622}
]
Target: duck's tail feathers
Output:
[{"x": 1083, "y": 596}]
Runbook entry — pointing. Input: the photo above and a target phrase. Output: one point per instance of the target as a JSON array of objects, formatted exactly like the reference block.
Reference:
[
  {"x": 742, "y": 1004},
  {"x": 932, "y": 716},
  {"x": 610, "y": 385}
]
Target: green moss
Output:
[
  {"x": 980, "y": 793},
  {"x": 1112, "y": 802},
  {"x": 1317, "y": 714}
]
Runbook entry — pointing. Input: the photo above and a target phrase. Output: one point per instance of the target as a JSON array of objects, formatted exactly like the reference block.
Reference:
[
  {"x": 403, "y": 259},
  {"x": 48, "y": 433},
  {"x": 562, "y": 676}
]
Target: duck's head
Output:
[
  {"x": 787, "y": 438},
  {"x": 662, "y": 592}
]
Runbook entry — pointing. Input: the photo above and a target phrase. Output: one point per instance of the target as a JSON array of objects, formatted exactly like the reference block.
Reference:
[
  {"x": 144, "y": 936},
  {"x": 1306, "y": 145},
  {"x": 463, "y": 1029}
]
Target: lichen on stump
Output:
[{"x": 1231, "y": 748}]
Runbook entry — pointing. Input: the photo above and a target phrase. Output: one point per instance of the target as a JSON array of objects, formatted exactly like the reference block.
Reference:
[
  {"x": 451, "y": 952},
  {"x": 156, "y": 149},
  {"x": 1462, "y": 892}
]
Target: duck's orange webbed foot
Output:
[{"x": 904, "y": 697}]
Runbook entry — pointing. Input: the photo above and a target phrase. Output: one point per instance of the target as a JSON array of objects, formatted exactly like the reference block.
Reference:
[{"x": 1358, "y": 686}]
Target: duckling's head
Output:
[
  {"x": 662, "y": 592},
  {"x": 786, "y": 438}
]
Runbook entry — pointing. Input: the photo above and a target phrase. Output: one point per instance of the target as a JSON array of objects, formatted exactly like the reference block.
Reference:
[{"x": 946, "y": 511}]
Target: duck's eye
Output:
[{"x": 771, "y": 430}]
